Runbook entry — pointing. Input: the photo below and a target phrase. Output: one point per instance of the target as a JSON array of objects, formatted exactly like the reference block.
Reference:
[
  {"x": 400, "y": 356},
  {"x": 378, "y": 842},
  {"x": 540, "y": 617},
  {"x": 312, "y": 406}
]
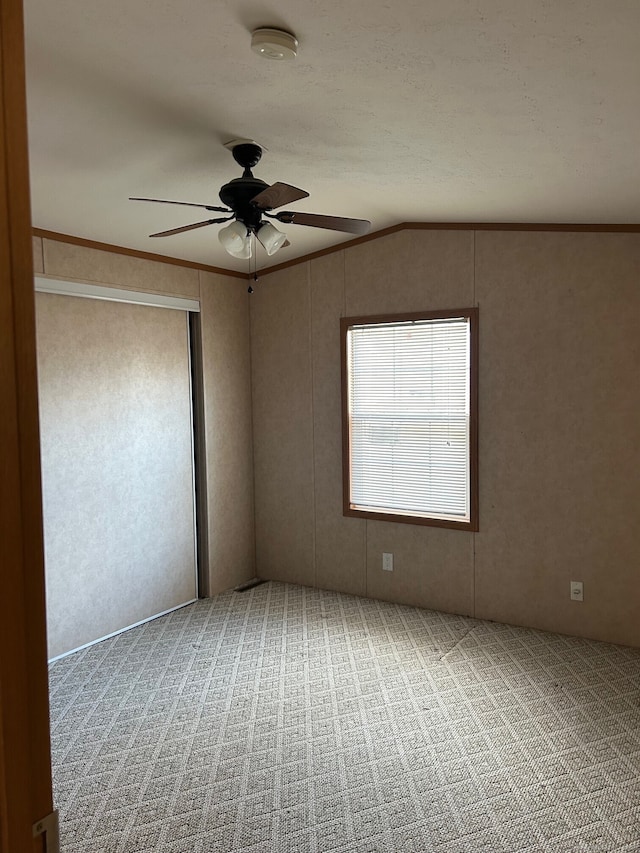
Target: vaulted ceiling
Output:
[{"x": 449, "y": 110}]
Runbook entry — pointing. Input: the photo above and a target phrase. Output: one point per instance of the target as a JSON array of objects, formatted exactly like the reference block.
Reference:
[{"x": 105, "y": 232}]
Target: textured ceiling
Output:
[{"x": 493, "y": 110}]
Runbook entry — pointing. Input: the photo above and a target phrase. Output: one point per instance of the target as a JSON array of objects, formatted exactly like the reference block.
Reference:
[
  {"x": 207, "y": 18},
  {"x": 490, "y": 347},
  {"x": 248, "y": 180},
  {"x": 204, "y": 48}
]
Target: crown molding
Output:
[
  {"x": 133, "y": 253},
  {"x": 632, "y": 228},
  {"x": 603, "y": 228}
]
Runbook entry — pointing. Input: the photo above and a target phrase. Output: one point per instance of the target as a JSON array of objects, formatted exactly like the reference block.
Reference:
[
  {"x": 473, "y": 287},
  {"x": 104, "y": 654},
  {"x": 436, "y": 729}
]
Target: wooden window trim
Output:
[{"x": 345, "y": 324}]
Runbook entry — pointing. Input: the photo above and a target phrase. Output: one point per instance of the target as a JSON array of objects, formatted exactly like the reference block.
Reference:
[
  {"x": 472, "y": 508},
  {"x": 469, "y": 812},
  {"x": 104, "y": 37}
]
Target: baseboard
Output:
[{"x": 122, "y": 630}]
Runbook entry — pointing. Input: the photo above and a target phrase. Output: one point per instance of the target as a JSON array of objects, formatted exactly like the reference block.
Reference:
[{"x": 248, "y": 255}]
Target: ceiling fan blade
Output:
[
  {"x": 276, "y": 195},
  {"x": 187, "y": 203},
  {"x": 316, "y": 220},
  {"x": 189, "y": 227}
]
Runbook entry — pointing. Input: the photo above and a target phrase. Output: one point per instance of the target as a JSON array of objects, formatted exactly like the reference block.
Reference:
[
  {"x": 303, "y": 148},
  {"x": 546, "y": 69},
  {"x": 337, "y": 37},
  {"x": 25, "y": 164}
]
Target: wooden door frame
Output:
[{"x": 25, "y": 758}]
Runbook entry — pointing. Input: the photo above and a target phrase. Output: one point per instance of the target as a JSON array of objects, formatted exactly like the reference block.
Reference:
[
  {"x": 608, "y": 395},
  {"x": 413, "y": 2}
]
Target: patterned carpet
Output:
[{"x": 290, "y": 719}]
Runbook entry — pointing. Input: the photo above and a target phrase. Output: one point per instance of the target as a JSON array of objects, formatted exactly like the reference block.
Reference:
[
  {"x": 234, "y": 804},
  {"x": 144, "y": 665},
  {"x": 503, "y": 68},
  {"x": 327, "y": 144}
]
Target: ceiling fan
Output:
[{"x": 248, "y": 200}]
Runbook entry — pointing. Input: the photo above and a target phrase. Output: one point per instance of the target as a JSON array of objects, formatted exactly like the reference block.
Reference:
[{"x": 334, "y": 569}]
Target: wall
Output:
[
  {"x": 227, "y": 394},
  {"x": 559, "y": 409},
  {"x": 227, "y": 390}
]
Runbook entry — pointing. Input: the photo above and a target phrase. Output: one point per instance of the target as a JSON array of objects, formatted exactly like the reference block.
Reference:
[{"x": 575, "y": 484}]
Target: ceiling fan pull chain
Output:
[{"x": 255, "y": 263}]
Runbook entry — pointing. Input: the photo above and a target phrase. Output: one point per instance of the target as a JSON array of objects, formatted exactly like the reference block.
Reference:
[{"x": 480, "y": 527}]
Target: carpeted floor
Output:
[{"x": 291, "y": 719}]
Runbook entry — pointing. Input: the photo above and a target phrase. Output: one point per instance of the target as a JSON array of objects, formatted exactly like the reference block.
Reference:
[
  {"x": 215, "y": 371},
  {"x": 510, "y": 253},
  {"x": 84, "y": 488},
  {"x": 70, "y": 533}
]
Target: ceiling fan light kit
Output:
[
  {"x": 274, "y": 44},
  {"x": 270, "y": 237},
  {"x": 236, "y": 240},
  {"x": 248, "y": 200}
]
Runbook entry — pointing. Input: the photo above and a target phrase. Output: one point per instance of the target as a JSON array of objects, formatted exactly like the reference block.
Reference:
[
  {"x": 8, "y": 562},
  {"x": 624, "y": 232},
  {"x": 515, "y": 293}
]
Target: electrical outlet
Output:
[
  {"x": 577, "y": 591},
  {"x": 387, "y": 562}
]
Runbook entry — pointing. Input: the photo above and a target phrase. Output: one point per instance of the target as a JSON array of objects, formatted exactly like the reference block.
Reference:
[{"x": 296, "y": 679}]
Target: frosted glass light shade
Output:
[
  {"x": 271, "y": 238},
  {"x": 236, "y": 240}
]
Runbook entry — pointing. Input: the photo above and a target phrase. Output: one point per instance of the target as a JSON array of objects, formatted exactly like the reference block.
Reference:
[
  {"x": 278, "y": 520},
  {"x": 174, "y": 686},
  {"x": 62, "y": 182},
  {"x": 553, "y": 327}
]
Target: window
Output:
[{"x": 409, "y": 396}]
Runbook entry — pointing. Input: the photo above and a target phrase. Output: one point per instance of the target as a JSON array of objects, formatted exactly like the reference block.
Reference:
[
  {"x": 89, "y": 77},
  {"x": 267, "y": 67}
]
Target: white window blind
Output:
[{"x": 408, "y": 419}]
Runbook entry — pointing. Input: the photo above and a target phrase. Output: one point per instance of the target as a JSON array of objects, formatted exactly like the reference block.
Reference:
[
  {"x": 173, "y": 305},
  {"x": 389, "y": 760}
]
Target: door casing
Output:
[{"x": 25, "y": 762}]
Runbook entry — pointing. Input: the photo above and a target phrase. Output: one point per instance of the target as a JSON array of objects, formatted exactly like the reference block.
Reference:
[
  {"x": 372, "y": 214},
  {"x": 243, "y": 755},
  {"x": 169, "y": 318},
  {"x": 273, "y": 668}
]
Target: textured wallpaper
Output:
[
  {"x": 117, "y": 465},
  {"x": 559, "y": 414},
  {"x": 226, "y": 351}
]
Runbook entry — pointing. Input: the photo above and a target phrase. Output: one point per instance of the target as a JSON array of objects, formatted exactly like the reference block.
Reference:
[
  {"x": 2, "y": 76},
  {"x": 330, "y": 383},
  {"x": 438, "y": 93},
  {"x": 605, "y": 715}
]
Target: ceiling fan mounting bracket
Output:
[{"x": 247, "y": 155}]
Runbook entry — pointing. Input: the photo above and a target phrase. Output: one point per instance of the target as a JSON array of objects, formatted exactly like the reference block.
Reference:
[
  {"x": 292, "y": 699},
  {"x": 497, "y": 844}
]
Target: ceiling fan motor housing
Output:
[{"x": 239, "y": 192}]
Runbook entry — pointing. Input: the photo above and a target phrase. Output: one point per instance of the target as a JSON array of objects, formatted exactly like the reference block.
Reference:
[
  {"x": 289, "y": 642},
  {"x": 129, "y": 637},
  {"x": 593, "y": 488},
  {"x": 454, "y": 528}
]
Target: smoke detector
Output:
[{"x": 274, "y": 44}]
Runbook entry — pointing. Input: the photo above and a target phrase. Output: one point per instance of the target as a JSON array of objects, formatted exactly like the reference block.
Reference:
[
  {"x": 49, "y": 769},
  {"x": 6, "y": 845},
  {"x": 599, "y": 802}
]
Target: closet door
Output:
[{"x": 117, "y": 465}]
